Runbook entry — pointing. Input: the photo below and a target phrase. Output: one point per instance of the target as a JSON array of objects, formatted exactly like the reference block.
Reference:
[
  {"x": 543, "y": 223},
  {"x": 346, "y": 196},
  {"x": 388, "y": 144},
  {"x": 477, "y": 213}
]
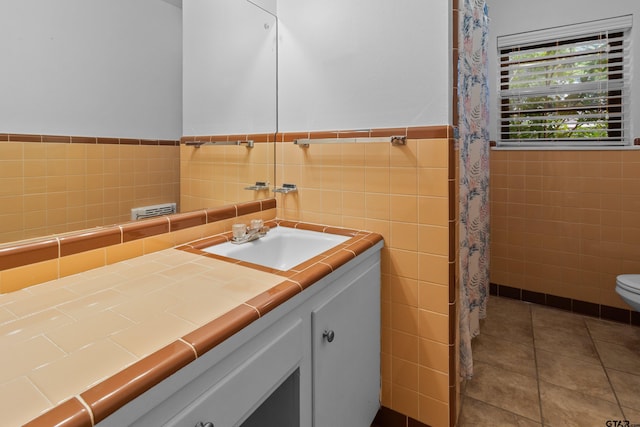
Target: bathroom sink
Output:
[{"x": 282, "y": 248}]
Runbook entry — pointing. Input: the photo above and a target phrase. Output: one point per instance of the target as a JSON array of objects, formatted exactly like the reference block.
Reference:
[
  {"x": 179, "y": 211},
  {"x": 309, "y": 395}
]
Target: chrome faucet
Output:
[{"x": 244, "y": 234}]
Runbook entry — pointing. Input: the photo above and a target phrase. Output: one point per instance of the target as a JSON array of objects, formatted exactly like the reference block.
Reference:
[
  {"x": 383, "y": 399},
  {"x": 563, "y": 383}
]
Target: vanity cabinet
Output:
[{"x": 315, "y": 358}]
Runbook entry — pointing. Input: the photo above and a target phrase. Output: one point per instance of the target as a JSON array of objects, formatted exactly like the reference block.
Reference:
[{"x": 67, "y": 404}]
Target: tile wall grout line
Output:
[{"x": 535, "y": 360}]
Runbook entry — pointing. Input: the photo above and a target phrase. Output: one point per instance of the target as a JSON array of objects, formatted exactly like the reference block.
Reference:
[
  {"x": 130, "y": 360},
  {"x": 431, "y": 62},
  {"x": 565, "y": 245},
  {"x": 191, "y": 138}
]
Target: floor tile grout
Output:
[
  {"x": 604, "y": 368},
  {"x": 535, "y": 361}
]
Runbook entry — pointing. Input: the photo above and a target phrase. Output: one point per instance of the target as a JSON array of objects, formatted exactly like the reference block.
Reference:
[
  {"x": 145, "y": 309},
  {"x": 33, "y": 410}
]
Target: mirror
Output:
[
  {"x": 229, "y": 68},
  {"x": 229, "y": 74},
  {"x": 92, "y": 103}
]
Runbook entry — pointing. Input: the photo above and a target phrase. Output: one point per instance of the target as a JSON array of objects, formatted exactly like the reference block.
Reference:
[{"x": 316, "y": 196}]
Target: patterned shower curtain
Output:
[{"x": 473, "y": 143}]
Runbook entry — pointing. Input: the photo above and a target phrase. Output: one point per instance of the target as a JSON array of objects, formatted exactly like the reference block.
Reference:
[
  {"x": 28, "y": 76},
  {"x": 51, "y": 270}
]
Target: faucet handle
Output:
[{"x": 239, "y": 231}]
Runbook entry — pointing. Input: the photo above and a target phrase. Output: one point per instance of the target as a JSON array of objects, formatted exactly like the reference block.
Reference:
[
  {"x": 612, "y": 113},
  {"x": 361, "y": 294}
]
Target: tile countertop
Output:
[{"x": 77, "y": 348}]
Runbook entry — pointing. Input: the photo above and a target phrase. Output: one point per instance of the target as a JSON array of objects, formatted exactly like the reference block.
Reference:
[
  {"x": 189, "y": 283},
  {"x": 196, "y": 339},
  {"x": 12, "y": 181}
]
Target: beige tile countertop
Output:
[
  {"x": 66, "y": 345},
  {"x": 62, "y": 337}
]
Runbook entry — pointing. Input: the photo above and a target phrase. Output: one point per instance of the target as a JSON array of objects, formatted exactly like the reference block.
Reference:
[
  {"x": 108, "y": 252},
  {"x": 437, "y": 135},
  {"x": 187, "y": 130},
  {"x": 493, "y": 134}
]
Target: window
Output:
[{"x": 566, "y": 86}]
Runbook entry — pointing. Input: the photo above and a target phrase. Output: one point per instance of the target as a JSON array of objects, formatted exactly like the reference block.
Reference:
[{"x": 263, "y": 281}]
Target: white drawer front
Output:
[{"x": 245, "y": 387}]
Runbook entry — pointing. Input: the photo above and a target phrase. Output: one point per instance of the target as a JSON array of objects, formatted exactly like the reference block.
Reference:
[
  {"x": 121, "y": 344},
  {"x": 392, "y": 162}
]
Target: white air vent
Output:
[{"x": 153, "y": 210}]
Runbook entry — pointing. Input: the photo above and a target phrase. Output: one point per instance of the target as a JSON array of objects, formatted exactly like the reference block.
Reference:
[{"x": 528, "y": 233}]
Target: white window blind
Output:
[{"x": 566, "y": 86}]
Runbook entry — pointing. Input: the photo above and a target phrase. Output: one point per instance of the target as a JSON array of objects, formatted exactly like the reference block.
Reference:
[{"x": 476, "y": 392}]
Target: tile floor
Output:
[{"x": 539, "y": 366}]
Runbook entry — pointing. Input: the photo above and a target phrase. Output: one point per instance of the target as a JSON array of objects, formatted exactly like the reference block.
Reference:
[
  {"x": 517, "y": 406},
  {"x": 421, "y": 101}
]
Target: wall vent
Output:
[{"x": 153, "y": 210}]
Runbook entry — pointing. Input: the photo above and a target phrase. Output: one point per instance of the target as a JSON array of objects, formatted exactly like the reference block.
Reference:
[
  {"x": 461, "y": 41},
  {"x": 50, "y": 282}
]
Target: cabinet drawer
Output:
[{"x": 238, "y": 393}]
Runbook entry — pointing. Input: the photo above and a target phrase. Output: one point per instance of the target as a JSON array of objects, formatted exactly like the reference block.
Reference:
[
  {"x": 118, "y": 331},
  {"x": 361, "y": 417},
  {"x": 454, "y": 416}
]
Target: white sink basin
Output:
[{"x": 282, "y": 248}]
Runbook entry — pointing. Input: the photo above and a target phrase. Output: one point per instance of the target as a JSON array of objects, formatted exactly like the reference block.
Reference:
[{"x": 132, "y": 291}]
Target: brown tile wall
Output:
[
  {"x": 28, "y": 263},
  {"x": 404, "y": 193},
  {"x": 56, "y": 184},
  {"x": 565, "y": 223}
]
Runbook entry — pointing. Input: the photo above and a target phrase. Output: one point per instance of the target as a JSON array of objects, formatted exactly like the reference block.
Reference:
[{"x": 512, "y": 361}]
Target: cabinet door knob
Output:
[
  {"x": 328, "y": 335},
  {"x": 201, "y": 424}
]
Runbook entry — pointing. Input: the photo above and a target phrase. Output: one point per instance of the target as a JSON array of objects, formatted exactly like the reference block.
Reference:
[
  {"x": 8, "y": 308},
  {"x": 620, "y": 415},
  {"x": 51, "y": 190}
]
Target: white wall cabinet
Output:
[{"x": 286, "y": 361}]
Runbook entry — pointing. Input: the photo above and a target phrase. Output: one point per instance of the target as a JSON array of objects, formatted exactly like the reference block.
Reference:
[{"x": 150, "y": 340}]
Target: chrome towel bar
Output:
[
  {"x": 199, "y": 144},
  {"x": 394, "y": 140}
]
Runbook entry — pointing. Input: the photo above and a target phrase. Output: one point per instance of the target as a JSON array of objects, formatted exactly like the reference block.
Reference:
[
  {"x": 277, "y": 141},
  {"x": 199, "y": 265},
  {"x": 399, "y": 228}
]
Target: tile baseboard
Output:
[{"x": 585, "y": 308}]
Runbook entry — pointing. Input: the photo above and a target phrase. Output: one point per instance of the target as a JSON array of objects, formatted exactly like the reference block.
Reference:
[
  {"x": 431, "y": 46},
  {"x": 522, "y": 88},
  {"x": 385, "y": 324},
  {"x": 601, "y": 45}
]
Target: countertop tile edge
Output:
[
  {"x": 119, "y": 389},
  {"x": 213, "y": 333},
  {"x": 70, "y": 413},
  {"x": 270, "y": 299}
]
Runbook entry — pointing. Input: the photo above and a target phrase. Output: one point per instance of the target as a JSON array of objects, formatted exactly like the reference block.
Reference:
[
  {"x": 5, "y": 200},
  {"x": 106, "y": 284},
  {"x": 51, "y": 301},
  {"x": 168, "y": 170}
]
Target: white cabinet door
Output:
[{"x": 346, "y": 354}]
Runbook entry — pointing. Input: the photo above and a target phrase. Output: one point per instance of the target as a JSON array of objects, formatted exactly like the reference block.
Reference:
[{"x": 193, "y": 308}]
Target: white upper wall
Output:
[
  {"x": 354, "y": 64},
  {"x": 114, "y": 68},
  {"x": 362, "y": 64},
  {"x": 516, "y": 16},
  {"x": 97, "y": 68}
]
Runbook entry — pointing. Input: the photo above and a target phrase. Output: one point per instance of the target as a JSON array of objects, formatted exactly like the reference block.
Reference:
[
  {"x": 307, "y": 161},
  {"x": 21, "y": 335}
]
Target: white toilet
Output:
[{"x": 628, "y": 287}]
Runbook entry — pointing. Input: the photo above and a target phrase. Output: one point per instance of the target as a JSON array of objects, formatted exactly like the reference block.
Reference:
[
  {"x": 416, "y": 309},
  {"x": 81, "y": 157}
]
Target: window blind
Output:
[{"x": 567, "y": 85}]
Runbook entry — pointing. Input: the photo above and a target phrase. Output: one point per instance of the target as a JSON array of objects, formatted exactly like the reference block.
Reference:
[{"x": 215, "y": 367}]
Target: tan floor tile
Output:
[
  {"x": 562, "y": 341},
  {"x": 509, "y": 308},
  {"x": 627, "y": 388},
  {"x": 504, "y": 354},
  {"x": 570, "y": 353},
  {"x": 632, "y": 416},
  {"x": 619, "y": 357},
  {"x": 546, "y": 317},
  {"x": 568, "y": 372},
  {"x": 507, "y": 390},
  {"x": 475, "y": 413},
  {"x": 617, "y": 333},
  {"x": 509, "y": 320},
  {"x": 564, "y": 407}
]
